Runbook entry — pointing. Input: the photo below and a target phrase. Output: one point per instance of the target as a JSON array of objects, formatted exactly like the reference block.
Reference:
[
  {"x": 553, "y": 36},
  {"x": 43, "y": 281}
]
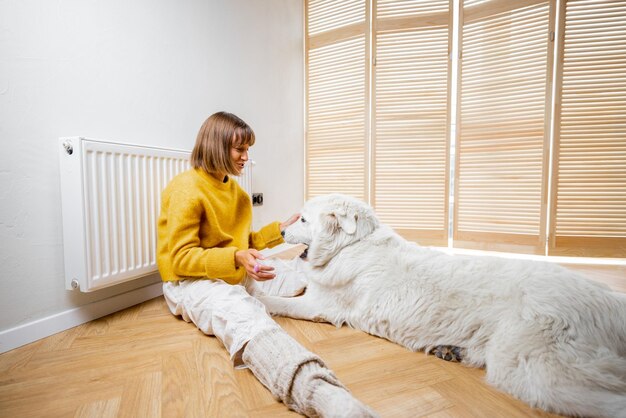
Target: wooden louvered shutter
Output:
[
  {"x": 589, "y": 180},
  {"x": 503, "y": 128},
  {"x": 337, "y": 88},
  {"x": 412, "y": 41}
]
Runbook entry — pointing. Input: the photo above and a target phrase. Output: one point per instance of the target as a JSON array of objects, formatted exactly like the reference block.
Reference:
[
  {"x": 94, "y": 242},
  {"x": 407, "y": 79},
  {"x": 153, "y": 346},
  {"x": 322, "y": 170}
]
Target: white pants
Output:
[{"x": 227, "y": 311}]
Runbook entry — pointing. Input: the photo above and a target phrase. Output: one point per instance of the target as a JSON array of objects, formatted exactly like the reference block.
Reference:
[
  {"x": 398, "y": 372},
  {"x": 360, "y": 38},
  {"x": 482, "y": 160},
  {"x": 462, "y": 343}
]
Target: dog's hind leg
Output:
[{"x": 449, "y": 353}]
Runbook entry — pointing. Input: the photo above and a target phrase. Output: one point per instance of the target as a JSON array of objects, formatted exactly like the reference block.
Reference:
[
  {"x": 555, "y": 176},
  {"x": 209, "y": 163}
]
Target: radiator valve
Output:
[
  {"x": 68, "y": 147},
  {"x": 257, "y": 199}
]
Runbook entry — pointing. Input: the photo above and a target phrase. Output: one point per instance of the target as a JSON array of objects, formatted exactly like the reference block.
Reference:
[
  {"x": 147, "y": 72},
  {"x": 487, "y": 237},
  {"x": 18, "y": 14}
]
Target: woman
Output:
[{"x": 205, "y": 251}]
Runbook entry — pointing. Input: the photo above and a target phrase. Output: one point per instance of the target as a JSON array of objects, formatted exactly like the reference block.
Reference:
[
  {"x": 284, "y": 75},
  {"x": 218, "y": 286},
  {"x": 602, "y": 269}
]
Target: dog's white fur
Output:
[{"x": 545, "y": 334}]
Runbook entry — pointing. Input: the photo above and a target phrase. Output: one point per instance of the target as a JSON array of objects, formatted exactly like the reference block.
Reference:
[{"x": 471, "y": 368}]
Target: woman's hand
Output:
[
  {"x": 248, "y": 260},
  {"x": 289, "y": 221}
]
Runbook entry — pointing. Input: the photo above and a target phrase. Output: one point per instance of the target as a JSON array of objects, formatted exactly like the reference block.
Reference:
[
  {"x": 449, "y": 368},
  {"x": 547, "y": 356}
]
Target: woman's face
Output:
[{"x": 239, "y": 156}]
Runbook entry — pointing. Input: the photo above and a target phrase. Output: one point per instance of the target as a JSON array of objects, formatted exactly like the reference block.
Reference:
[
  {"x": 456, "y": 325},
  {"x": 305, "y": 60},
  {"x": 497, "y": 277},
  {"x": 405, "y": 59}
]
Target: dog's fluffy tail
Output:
[
  {"x": 585, "y": 403},
  {"x": 591, "y": 387},
  {"x": 573, "y": 361},
  {"x": 601, "y": 389},
  {"x": 577, "y": 374}
]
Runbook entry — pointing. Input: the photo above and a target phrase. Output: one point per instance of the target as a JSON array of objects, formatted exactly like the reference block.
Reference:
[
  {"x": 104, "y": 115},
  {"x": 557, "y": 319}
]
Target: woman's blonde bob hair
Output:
[{"x": 218, "y": 134}]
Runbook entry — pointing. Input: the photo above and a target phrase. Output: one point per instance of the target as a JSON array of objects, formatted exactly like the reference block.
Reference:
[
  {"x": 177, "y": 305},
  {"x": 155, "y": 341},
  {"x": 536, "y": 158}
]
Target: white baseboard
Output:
[{"x": 44, "y": 327}]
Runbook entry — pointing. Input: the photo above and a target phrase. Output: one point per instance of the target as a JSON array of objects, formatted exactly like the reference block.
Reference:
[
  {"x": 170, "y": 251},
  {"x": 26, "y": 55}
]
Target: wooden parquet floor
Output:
[{"x": 144, "y": 362}]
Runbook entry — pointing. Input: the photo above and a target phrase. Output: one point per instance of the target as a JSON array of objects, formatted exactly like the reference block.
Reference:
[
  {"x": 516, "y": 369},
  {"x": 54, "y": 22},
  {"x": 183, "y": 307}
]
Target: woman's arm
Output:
[
  {"x": 271, "y": 235},
  {"x": 268, "y": 236}
]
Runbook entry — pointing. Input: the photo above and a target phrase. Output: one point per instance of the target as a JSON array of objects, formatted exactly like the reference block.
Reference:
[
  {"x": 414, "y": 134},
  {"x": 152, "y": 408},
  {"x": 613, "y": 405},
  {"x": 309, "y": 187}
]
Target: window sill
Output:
[{"x": 610, "y": 271}]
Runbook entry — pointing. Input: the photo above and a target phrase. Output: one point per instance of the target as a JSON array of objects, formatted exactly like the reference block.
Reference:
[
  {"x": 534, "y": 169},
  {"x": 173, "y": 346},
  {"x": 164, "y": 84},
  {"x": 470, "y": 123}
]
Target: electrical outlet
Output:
[{"x": 257, "y": 199}]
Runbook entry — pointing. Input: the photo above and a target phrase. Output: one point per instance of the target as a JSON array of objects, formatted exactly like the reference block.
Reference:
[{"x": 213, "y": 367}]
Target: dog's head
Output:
[{"x": 330, "y": 223}]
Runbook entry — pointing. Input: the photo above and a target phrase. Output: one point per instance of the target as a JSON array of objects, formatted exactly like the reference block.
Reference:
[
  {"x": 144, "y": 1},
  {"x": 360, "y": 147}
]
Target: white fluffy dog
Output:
[{"x": 545, "y": 334}]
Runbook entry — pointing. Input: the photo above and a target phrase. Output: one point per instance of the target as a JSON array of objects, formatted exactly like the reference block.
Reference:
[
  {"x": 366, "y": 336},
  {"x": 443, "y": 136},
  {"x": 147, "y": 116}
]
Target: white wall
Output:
[{"x": 146, "y": 72}]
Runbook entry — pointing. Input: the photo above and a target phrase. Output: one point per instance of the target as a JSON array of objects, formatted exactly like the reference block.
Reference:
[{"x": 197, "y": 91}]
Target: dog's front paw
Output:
[
  {"x": 272, "y": 304},
  {"x": 449, "y": 353},
  {"x": 297, "y": 308},
  {"x": 279, "y": 306}
]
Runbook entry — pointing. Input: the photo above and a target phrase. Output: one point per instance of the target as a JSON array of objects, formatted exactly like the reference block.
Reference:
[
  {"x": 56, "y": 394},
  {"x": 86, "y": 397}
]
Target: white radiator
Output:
[{"x": 111, "y": 196}]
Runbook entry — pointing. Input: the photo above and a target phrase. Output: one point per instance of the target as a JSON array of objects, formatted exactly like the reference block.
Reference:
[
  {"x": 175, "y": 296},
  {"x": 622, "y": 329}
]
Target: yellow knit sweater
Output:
[{"x": 203, "y": 222}]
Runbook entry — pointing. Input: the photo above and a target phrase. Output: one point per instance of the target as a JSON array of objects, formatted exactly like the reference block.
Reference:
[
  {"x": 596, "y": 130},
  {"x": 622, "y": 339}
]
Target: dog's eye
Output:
[{"x": 302, "y": 219}]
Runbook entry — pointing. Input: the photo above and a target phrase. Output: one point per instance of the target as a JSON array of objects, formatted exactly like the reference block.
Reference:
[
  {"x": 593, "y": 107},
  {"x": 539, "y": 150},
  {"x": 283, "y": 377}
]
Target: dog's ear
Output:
[
  {"x": 339, "y": 218},
  {"x": 348, "y": 223}
]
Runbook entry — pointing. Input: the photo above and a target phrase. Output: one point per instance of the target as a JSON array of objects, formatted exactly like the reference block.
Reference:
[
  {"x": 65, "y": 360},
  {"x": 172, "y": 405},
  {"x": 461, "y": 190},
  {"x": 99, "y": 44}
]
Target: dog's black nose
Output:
[{"x": 304, "y": 253}]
